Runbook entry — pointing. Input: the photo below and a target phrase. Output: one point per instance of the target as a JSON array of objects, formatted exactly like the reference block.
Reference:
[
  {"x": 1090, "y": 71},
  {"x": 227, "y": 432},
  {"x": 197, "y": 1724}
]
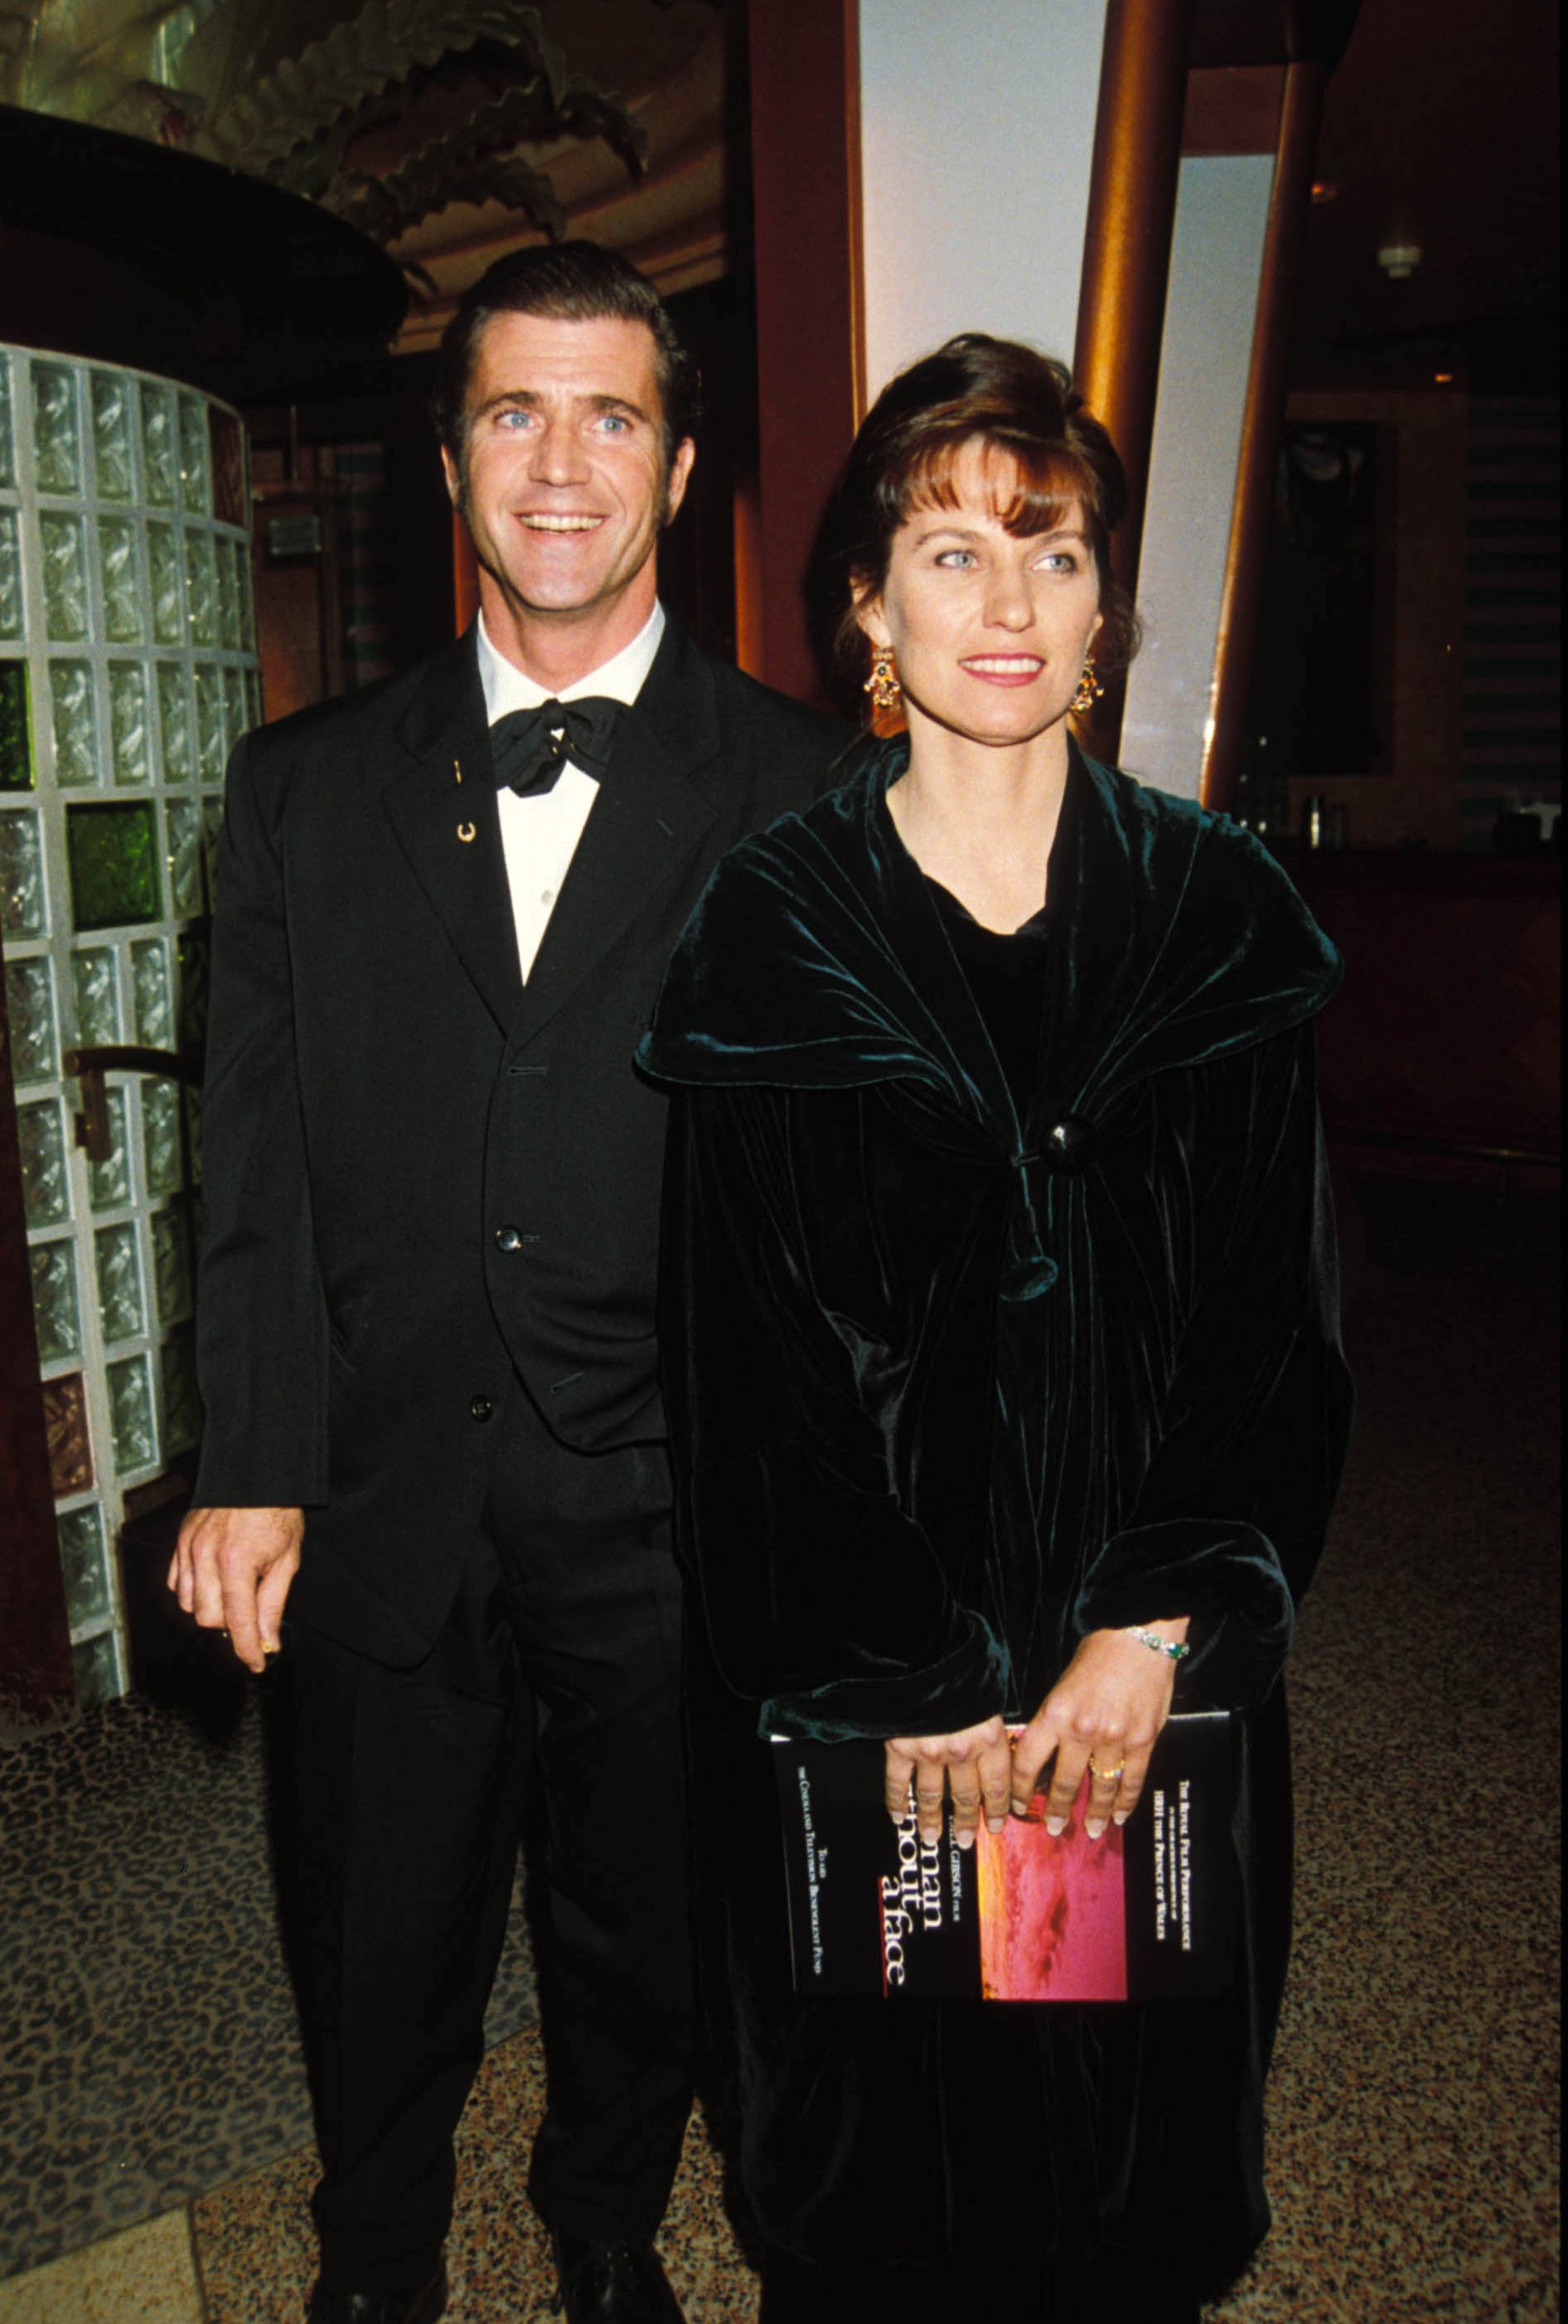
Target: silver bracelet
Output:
[{"x": 1178, "y": 1652}]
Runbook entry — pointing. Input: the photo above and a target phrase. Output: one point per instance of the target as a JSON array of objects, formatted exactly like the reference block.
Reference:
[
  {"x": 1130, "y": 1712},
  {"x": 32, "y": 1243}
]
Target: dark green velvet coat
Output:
[{"x": 950, "y": 1387}]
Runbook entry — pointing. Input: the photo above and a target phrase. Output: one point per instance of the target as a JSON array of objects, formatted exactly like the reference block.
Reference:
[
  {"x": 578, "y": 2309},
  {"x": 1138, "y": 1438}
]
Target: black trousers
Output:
[{"x": 560, "y": 1665}]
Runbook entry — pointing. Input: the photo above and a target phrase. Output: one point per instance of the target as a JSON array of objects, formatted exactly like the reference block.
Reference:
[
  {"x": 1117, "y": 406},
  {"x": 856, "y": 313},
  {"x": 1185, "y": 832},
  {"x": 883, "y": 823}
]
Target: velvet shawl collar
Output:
[{"x": 816, "y": 958}]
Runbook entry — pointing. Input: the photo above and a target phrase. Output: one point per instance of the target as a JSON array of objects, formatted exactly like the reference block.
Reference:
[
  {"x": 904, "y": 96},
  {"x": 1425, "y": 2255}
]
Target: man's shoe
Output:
[
  {"x": 422, "y": 2306},
  {"x": 612, "y": 2283}
]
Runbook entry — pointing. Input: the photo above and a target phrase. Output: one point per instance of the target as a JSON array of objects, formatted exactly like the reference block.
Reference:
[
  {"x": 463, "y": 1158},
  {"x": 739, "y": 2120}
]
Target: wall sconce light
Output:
[{"x": 1399, "y": 260}]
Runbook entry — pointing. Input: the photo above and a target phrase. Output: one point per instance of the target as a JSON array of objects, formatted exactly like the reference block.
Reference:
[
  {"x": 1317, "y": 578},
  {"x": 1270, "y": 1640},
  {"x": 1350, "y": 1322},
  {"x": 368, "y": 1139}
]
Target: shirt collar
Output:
[{"x": 507, "y": 687}]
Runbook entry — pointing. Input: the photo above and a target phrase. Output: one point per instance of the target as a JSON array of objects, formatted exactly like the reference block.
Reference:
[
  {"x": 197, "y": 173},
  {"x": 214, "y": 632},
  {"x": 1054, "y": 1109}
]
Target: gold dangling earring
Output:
[
  {"x": 1090, "y": 689},
  {"x": 883, "y": 685}
]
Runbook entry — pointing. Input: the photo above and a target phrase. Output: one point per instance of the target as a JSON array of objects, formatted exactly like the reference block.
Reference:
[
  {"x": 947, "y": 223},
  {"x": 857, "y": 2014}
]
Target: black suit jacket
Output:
[{"x": 428, "y": 1188}]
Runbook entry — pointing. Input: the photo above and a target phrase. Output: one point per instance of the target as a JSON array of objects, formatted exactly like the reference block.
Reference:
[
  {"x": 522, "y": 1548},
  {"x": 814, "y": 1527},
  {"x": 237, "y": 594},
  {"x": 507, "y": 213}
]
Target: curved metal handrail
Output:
[{"x": 88, "y": 1064}]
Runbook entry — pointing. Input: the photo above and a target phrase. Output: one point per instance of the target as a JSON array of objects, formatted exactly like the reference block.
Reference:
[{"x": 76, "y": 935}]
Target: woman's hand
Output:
[
  {"x": 1103, "y": 1713},
  {"x": 975, "y": 1766}
]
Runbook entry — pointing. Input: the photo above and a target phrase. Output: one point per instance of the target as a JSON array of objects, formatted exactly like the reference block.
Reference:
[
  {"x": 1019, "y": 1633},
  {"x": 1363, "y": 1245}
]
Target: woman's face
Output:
[{"x": 989, "y": 632}]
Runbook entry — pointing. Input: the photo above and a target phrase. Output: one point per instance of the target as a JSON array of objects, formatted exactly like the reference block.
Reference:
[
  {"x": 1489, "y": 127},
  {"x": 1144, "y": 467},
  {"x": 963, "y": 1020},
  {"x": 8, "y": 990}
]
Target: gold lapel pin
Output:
[{"x": 465, "y": 831}]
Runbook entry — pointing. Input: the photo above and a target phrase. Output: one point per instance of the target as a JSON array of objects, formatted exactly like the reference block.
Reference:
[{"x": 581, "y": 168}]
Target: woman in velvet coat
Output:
[{"x": 1001, "y": 1326}]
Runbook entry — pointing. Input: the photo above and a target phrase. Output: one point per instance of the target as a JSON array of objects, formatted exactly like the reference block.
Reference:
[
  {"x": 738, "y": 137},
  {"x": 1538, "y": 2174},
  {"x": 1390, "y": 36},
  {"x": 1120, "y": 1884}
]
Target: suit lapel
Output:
[
  {"x": 646, "y": 821},
  {"x": 443, "y": 731}
]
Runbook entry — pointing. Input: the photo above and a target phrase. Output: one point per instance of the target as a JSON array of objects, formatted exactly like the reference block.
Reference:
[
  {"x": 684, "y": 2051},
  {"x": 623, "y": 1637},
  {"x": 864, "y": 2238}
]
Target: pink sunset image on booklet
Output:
[
  {"x": 1052, "y": 1913},
  {"x": 877, "y": 1908}
]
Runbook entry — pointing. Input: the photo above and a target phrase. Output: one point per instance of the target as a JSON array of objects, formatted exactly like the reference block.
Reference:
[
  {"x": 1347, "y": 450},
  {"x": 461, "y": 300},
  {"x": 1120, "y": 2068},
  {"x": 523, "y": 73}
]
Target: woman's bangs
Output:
[{"x": 1032, "y": 487}]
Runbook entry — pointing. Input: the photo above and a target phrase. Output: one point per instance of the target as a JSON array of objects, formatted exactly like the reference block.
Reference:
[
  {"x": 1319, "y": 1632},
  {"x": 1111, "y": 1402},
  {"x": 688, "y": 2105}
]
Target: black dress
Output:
[
  {"x": 965, "y": 1360},
  {"x": 1007, "y": 978}
]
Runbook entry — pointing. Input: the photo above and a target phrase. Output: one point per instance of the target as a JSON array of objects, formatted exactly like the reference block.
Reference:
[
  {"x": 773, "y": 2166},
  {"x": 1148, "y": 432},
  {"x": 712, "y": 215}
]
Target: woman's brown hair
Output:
[{"x": 1020, "y": 406}]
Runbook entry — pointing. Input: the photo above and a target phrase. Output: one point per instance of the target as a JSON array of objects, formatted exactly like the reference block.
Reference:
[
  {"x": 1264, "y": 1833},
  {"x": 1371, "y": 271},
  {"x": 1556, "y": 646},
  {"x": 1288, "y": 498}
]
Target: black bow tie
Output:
[{"x": 530, "y": 747}]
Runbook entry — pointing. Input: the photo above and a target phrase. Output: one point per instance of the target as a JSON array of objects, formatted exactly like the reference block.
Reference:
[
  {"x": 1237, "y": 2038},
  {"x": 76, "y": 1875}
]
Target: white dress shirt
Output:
[{"x": 540, "y": 835}]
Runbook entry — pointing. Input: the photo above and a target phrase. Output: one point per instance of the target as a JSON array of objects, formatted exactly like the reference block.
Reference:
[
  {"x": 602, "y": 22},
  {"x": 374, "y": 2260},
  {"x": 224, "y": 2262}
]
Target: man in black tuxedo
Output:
[{"x": 427, "y": 1301}]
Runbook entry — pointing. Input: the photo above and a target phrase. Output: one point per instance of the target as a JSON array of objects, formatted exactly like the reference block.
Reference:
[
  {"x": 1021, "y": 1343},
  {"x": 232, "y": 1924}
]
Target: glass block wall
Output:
[{"x": 127, "y": 670}]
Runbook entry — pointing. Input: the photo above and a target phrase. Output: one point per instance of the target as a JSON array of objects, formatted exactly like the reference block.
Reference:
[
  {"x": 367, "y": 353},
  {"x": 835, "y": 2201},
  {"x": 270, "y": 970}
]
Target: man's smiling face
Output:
[{"x": 562, "y": 478}]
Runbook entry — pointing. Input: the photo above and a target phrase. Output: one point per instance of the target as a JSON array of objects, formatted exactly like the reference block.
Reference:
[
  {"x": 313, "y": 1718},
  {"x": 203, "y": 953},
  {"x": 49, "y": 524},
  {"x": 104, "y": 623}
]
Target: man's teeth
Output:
[{"x": 561, "y": 523}]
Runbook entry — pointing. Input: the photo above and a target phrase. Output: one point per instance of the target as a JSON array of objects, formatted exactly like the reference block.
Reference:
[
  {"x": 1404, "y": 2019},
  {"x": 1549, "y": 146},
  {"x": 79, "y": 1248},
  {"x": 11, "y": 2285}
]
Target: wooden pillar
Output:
[
  {"x": 1289, "y": 203},
  {"x": 464, "y": 578},
  {"x": 37, "y": 1684},
  {"x": 804, "y": 89},
  {"x": 1126, "y": 245}
]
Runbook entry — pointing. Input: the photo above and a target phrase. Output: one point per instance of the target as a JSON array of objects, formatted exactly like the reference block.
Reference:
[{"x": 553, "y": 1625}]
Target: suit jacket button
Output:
[
  {"x": 508, "y": 1239},
  {"x": 481, "y": 1406}
]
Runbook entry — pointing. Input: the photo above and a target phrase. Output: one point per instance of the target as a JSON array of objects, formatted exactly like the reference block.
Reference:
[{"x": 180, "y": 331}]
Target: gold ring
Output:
[{"x": 1107, "y": 1774}]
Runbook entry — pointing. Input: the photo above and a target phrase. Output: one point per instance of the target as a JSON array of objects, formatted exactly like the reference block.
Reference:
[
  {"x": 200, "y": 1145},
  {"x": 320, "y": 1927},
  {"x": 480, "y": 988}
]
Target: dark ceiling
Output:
[
  {"x": 1440, "y": 129},
  {"x": 121, "y": 250}
]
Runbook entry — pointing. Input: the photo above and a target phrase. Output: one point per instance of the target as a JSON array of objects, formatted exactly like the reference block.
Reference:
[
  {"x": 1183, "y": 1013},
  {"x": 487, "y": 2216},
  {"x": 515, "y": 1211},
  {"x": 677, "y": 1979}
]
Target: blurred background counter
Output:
[{"x": 1441, "y": 1054}]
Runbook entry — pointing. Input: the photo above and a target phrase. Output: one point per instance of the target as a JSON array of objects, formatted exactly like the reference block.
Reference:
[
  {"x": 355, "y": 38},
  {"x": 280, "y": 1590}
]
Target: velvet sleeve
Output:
[
  {"x": 262, "y": 1338},
  {"x": 1229, "y": 1519},
  {"x": 824, "y": 1602}
]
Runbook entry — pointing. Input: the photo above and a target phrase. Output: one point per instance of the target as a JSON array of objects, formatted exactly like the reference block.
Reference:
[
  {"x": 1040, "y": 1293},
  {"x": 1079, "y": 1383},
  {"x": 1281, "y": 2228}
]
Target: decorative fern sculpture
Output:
[
  {"x": 358, "y": 62},
  {"x": 385, "y": 208},
  {"x": 296, "y": 121},
  {"x": 479, "y": 162}
]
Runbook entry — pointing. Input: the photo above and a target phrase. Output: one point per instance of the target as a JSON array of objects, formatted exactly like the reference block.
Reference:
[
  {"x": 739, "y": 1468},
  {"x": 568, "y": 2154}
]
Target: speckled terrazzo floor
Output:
[
  {"x": 1413, "y": 2159},
  {"x": 1414, "y": 2106},
  {"x": 149, "y": 2046}
]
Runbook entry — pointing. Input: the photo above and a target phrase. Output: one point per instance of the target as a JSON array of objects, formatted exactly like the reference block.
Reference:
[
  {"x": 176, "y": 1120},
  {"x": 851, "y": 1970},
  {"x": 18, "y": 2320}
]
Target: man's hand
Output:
[{"x": 233, "y": 1568}]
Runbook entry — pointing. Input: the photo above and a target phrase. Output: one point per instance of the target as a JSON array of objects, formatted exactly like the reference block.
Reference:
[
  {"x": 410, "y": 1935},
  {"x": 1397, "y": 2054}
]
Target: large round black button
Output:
[
  {"x": 508, "y": 1239},
  {"x": 1071, "y": 1144},
  {"x": 481, "y": 1406}
]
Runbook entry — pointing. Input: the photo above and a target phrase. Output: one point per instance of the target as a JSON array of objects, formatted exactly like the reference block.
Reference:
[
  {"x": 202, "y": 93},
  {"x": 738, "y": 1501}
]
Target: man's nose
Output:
[{"x": 557, "y": 455}]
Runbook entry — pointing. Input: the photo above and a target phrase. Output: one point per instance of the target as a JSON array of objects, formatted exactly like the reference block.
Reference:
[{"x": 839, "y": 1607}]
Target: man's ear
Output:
[
  {"x": 453, "y": 476},
  {"x": 679, "y": 470}
]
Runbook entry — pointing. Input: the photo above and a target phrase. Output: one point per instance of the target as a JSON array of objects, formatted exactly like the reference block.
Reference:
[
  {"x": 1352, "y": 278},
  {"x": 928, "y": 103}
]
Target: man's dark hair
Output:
[{"x": 571, "y": 282}]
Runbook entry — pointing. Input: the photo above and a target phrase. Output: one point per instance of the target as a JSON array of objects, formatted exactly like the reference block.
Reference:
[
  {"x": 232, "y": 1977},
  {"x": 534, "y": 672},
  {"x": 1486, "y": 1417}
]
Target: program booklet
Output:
[{"x": 1143, "y": 1914}]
